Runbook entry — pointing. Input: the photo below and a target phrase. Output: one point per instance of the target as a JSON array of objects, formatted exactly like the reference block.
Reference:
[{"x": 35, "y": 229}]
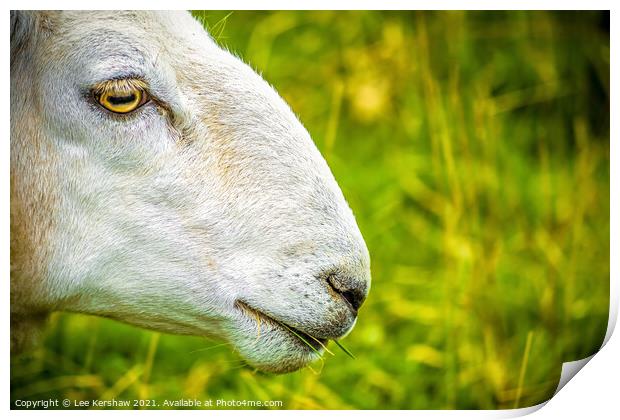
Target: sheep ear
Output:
[{"x": 25, "y": 26}]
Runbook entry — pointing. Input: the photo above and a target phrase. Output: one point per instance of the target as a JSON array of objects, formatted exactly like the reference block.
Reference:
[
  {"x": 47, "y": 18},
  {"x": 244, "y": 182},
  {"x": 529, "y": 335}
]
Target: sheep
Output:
[{"x": 158, "y": 180}]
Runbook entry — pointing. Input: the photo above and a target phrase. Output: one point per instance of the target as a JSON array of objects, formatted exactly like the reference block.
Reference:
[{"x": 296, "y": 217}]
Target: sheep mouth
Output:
[{"x": 305, "y": 340}]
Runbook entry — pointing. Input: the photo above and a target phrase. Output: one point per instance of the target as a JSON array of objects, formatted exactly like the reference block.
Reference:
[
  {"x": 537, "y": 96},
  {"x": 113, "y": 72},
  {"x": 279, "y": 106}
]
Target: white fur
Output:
[{"x": 211, "y": 195}]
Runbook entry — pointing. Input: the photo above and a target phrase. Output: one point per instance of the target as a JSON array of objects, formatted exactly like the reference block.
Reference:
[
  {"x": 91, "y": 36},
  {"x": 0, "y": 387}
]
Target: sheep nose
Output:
[{"x": 350, "y": 287}]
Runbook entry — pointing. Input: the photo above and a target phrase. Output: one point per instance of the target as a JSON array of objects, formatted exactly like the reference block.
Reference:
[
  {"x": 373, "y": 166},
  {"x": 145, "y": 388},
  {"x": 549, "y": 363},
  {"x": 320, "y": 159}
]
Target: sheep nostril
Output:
[{"x": 354, "y": 296}]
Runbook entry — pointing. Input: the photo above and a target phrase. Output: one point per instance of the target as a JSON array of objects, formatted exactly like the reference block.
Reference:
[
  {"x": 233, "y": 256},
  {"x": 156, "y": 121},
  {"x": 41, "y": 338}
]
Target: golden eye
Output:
[{"x": 121, "y": 96}]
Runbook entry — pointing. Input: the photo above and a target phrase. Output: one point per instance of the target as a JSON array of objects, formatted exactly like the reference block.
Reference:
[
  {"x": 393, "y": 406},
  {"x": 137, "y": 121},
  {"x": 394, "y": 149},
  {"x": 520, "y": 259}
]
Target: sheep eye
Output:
[{"x": 121, "y": 96}]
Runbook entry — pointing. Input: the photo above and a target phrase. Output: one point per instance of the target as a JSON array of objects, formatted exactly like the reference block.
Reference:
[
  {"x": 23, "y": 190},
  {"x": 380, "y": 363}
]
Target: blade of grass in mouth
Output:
[
  {"x": 302, "y": 339},
  {"x": 344, "y": 349},
  {"x": 322, "y": 345},
  {"x": 312, "y": 337}
]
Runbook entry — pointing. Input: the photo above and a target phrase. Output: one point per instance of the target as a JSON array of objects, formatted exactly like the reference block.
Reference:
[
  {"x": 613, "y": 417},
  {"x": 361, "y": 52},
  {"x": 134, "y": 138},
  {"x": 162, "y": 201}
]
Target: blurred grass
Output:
[{"x": 474, "y": 151}]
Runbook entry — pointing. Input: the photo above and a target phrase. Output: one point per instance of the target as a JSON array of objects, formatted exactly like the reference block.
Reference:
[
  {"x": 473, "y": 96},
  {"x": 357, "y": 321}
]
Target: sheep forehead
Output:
[
  {"x": 92, "y": 46},
  {"x": 150, "y": 33},
  {"x": 154, "y": 22}
]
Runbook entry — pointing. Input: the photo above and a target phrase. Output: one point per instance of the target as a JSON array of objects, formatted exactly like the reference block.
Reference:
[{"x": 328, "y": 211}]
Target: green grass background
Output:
[{"x": 474, "y": 151}]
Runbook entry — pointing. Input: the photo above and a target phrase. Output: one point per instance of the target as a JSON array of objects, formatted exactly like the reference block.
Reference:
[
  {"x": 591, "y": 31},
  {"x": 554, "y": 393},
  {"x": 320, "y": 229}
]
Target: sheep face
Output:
[{"x": 158, "y": 180}]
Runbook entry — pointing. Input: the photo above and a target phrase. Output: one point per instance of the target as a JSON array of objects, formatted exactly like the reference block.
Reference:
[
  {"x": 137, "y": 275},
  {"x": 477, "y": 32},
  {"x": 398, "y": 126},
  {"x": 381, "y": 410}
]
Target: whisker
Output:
[
  {"x": 320, "y": 370},
  {"x": 258, "y": 325},
  {"x": 208, "y": 348}
]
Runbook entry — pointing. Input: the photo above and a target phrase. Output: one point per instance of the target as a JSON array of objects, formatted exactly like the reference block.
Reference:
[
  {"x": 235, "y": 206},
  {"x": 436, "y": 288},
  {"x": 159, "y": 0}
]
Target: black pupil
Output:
[{"x": 122, "y": 100}]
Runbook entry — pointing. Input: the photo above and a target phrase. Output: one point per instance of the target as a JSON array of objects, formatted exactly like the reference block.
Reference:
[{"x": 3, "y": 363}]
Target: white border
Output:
[{"x": 593, "y": 393}]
